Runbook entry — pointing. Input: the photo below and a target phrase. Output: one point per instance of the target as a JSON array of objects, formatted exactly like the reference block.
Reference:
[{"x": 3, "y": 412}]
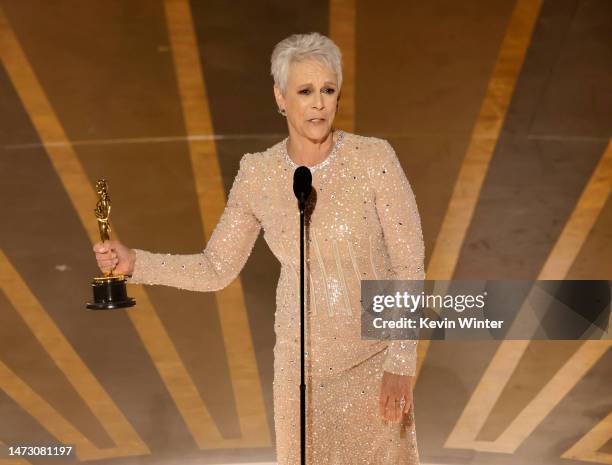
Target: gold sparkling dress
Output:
[{"x": 363, "y": 224}]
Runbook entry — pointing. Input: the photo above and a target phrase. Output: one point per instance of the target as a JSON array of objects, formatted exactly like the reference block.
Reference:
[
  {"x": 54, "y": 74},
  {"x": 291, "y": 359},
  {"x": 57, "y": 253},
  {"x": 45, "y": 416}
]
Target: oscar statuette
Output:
[{"x": 108, "y": 290}]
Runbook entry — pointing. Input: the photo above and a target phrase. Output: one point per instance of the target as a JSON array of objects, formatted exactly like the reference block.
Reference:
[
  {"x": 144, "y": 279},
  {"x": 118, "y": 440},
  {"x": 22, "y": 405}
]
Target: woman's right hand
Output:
[{"x": 113, "y": 255}]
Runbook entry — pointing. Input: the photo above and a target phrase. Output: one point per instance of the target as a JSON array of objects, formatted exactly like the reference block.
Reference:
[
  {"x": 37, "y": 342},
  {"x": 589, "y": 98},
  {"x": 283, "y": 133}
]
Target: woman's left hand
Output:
[{"x": 393, "y": 388}]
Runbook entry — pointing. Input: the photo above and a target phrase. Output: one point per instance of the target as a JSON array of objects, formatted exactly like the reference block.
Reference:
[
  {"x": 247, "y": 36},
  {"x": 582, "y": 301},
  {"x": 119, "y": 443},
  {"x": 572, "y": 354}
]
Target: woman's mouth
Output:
[{"x": 316, "y": 120}]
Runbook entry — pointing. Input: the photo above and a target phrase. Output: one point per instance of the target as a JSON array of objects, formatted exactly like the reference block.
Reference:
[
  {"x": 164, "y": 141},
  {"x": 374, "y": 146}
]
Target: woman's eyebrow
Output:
[{"x": 309, "y": 84}]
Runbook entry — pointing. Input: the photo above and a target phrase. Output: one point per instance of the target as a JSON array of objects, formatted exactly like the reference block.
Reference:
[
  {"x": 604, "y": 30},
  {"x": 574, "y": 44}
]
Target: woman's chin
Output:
[{"x": 317, "y": 131}]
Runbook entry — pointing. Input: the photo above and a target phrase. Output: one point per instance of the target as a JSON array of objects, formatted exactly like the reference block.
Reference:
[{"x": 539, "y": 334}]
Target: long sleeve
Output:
[
  {"x": 225, "y": 253},
  {"x": 399, "y": 217}
]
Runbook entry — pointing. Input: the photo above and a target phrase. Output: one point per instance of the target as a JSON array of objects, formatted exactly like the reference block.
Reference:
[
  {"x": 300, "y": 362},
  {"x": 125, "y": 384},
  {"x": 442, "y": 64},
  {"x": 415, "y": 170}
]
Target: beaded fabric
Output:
[
  {"x": 319, "y": 165},
  {"x": 363, "y": 223}
]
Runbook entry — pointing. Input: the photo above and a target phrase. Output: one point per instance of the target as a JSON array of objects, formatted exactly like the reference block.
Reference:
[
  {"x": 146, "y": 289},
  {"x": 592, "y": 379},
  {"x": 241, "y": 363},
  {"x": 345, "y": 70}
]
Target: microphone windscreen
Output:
[{"x": 302, "y": 183}]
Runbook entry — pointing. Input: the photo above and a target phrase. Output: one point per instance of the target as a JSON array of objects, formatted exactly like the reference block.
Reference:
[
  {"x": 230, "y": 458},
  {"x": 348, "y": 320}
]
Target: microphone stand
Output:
[
  {"x": 302, "y": 186},
  {"x": 302, "y": 383}
]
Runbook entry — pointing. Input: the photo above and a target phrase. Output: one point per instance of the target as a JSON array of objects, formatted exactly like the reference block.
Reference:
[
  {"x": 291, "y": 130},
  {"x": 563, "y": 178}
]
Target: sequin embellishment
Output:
[{"x": 321, "y": 164}]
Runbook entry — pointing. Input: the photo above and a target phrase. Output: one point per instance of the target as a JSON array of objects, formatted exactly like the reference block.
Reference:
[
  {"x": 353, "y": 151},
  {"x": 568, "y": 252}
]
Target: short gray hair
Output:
[{"x": 302, "y": 47}]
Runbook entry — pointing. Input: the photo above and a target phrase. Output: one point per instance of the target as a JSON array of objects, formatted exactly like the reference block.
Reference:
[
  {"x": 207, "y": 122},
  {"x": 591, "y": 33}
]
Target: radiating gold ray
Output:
[
  {"x": 582, "y": 219},
  {"x": 46, "y": 123},
  {"x": 576, "y": 367},
  {"x": 487, "y": 393},
  {"x": 483, "y": 140},
  {"x": 233, "y": 316},
  {"x": 68, "y": 361},
  {"x": 48, "y": 417},
  {"x": 587, "y": 446},
  {"x": 12, "y": 461},
  {"x": 342, "y": 19},
  {"x": 81, "y": 193},
  {"x": 494, "y": 380},
  {"x": 574, "y": 236}
]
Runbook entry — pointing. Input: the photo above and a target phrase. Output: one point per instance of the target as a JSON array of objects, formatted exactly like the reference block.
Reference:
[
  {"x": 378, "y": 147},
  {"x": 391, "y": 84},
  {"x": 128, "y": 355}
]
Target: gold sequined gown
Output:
[{"x": 363, "y": 224}]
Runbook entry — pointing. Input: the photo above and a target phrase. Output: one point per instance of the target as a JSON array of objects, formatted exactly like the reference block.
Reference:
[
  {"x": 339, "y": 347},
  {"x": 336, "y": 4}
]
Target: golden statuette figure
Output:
[
  {"x": 109, "y": 290},
  {"x": 102, "y": 211},
  {"x": 103, "y": 208}
]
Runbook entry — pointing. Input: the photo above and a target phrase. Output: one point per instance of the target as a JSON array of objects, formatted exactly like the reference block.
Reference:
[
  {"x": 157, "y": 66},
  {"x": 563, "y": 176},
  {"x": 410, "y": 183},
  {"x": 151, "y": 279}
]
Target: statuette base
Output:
[{"x": 110, "y": 293}]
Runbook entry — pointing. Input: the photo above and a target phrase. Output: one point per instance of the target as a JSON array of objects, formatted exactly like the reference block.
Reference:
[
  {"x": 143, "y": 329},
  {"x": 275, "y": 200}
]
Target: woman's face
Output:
[{"x": 310, "y": 99}]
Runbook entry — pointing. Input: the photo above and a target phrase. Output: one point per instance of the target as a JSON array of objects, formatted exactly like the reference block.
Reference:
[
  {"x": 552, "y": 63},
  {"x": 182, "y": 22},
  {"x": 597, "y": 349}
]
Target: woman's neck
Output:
[{"x": 308, "y": 152}]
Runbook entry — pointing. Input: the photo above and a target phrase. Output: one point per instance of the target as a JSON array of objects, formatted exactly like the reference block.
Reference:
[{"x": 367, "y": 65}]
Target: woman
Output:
[{"x": 363, "y": 224}]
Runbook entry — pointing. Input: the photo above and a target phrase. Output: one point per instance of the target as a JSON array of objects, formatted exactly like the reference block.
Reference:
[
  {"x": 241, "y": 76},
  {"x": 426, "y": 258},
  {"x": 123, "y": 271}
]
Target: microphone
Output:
[{"x": 302, "y": 185}]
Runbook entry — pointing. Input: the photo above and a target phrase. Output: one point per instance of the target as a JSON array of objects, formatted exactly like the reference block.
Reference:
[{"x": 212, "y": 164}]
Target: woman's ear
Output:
[{"x": 278, "y": 95}]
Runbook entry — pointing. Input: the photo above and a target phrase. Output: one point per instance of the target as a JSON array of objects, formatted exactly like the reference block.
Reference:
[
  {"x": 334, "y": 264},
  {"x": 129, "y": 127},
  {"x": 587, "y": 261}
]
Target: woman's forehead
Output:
[{"x": 311, "y": 71}]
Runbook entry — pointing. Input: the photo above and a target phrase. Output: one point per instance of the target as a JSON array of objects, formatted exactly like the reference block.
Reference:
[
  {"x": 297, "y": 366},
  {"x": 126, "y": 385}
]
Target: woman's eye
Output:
[
  {"x": 329, "y": 90},
  {"x": 305, "y": 91}
]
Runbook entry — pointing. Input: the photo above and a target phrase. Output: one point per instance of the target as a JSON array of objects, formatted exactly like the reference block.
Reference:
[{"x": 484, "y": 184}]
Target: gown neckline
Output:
[{"x": 323, "y": 163}]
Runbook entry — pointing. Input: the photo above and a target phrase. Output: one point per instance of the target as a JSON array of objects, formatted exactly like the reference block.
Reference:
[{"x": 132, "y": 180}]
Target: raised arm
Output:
[
  {"x": 225, "y": 254},
  {"x": 401, "y": 224}
]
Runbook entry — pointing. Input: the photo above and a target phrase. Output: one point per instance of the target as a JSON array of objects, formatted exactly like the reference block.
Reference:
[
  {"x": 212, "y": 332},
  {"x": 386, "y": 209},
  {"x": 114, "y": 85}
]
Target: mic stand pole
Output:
[
  {"x": 302, "y": 186},
  {"x": 302, "y": 205}
]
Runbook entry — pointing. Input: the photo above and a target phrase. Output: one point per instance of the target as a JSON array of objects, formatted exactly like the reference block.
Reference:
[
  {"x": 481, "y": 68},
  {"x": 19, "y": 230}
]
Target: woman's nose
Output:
[{"x": 319, "y": 102}]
